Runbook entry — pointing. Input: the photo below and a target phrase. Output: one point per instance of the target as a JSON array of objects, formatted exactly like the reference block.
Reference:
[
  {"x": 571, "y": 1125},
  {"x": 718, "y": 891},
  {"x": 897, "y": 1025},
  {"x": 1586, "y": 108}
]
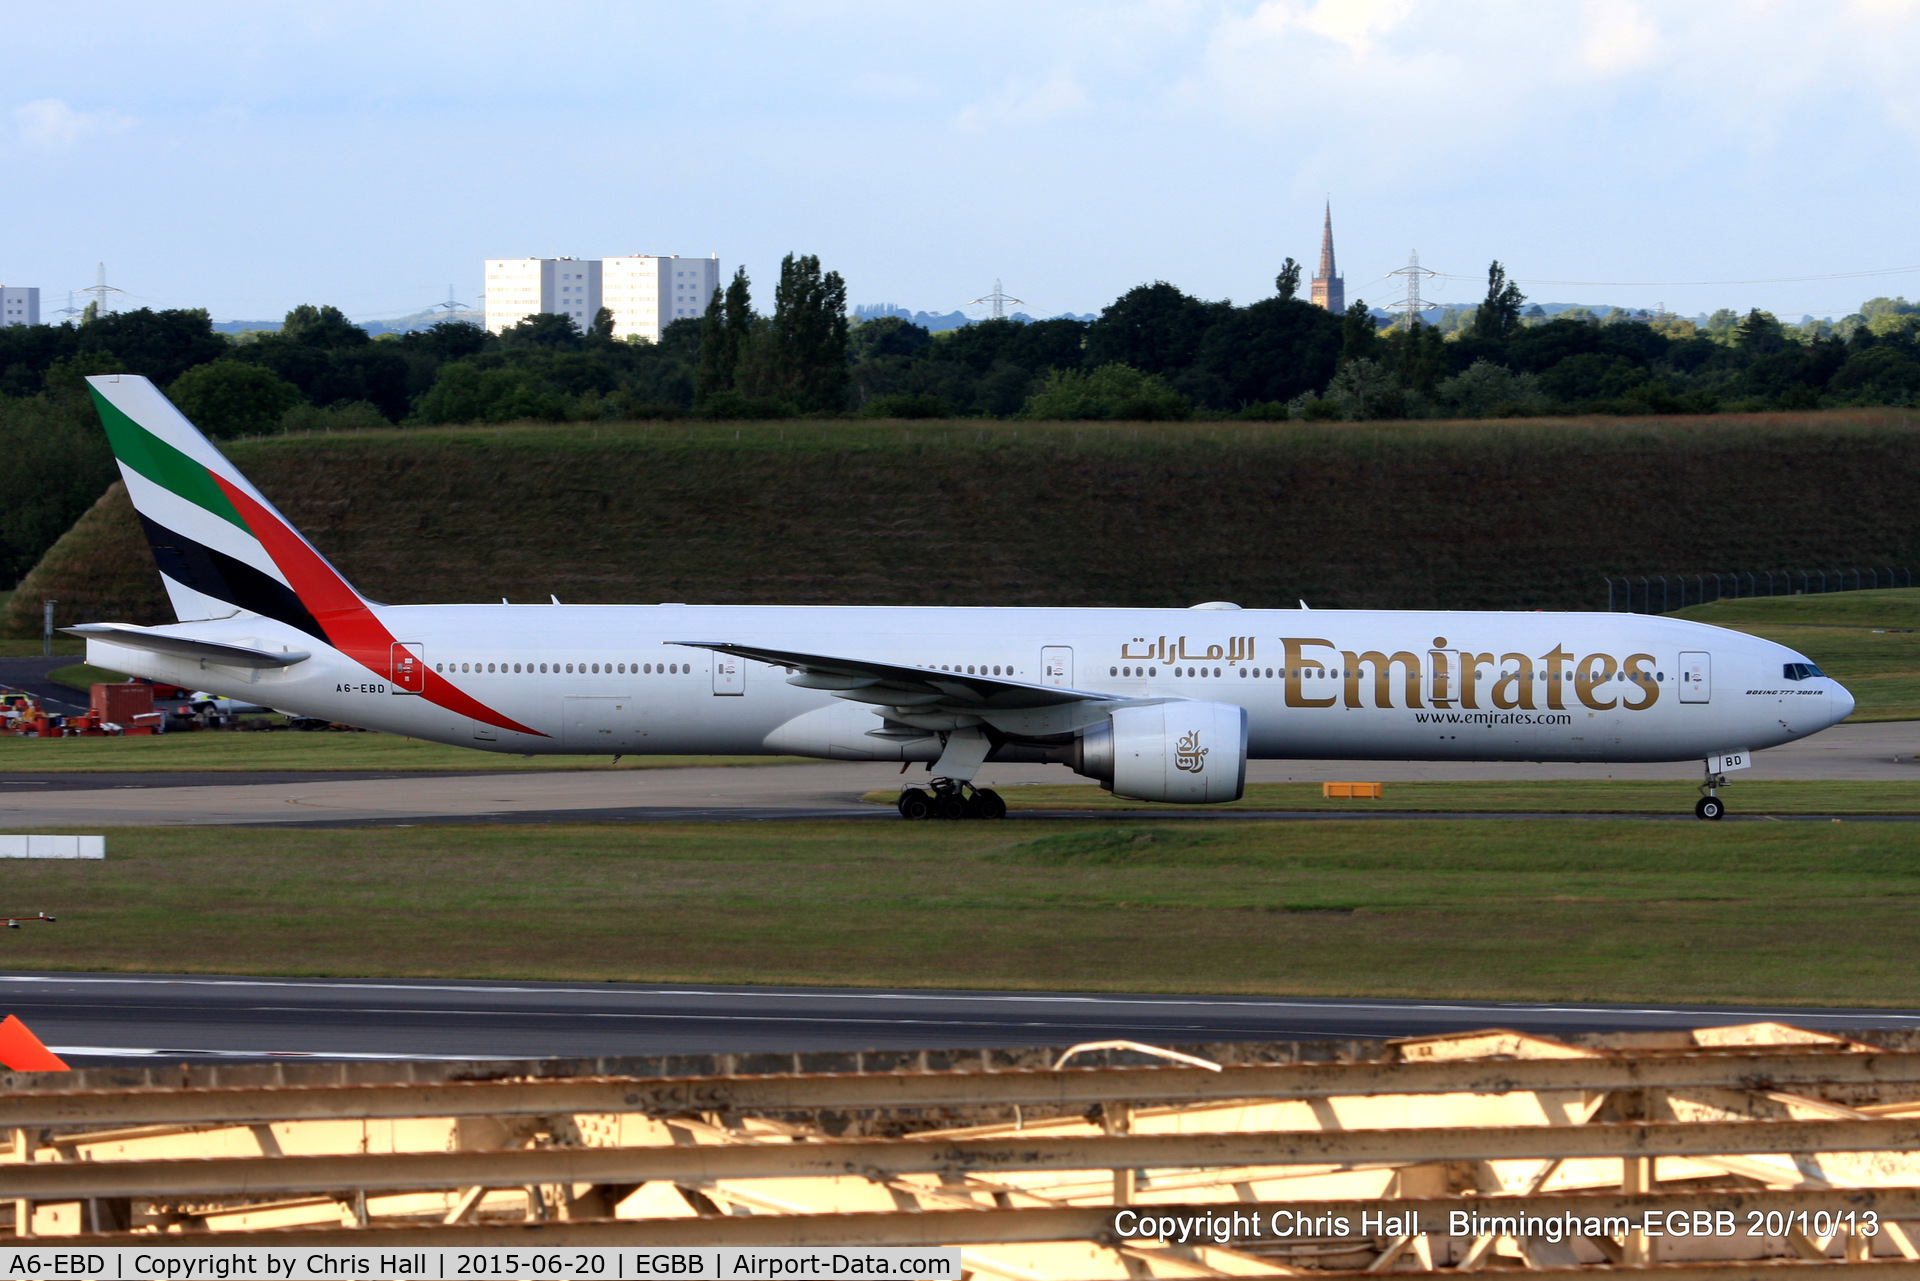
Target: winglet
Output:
[{"x": 22, "y": 1051}]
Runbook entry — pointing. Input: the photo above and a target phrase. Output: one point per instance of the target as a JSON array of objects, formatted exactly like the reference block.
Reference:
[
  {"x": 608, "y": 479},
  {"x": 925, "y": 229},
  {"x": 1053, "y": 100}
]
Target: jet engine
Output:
[{"x": 1193, "y": 753}]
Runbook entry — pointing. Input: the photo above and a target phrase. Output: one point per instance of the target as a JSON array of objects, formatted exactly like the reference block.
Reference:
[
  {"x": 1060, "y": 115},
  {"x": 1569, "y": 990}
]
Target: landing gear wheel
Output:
[
  {"x": 987, "y": 804},
  {"x": 951, "y": 806},
  {"x": 1710, "y": 808},
  {"x": 915, "y": 804}
]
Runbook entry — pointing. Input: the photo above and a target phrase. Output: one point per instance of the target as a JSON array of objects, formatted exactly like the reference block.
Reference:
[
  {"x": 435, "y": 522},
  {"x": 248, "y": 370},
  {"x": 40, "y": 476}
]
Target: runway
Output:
[
  {"x": 1882, "y": 751},
  {"x": 98, "y": 1018}
]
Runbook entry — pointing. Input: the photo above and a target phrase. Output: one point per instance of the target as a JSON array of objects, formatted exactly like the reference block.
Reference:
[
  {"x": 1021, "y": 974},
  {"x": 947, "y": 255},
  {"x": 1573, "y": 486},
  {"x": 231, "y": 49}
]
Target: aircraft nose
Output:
[{"x": 1842, "y": 704}]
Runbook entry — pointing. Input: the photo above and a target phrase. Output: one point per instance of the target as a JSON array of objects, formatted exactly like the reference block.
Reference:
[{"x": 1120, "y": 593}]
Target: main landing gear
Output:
[{"x": 949, "y": 799}]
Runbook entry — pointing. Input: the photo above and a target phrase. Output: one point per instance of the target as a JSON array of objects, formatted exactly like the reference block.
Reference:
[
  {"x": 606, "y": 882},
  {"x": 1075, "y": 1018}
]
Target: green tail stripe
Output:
[{"x": 162, "y": 464}]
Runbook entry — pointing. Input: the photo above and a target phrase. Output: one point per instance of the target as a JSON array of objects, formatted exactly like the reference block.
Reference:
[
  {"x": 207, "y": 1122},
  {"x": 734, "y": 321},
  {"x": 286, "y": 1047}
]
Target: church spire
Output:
[{"x": 1329, "y": 290}]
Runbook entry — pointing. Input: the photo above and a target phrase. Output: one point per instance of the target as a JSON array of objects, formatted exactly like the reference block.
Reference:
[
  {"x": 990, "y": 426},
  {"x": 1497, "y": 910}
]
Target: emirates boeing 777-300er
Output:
[{"x": 1157, "y": 704}]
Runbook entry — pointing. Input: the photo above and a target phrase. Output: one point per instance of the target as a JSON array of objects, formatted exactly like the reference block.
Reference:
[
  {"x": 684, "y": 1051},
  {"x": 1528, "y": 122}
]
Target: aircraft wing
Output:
[
  {"x": 863, "y": 680},
  {"x": 160, "y": 642}
]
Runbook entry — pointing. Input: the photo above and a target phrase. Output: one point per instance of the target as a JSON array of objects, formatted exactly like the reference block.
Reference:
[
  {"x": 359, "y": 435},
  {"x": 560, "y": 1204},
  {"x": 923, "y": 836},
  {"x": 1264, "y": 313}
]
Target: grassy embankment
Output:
[
  {"x": 29, "y": 647},
  {"x": 1683, "y": 911},
  {"x": 1517, "y": 514}
]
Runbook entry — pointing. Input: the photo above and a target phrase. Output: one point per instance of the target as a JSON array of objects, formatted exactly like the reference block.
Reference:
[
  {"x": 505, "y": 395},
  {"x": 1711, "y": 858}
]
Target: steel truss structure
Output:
[{"x": 1711, "y": 1153}]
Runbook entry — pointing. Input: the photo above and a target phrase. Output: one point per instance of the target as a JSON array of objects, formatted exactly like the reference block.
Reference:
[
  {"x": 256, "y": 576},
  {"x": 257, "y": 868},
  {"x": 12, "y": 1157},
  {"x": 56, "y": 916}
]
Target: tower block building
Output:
[{"x": 1329, "y": 290}]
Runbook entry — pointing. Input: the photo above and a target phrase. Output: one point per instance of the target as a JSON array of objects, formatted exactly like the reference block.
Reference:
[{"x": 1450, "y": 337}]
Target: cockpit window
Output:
[{"x": 1800, "y": 671}]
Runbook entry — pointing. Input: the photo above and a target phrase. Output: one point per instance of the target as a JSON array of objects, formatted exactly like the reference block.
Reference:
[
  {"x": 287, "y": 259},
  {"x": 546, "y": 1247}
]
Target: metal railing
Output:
[
  {"x": 1802, "y": 1148},
  {"x": 1664, "y": 593}
]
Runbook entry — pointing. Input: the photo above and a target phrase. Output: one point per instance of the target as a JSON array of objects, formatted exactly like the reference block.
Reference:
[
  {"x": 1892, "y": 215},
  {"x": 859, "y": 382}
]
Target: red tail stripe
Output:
[{"x": 350, "y": 626}]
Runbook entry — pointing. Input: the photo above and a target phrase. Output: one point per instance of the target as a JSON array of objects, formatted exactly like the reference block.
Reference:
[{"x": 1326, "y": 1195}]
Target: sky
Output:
[{"x": 246, "y": 158}]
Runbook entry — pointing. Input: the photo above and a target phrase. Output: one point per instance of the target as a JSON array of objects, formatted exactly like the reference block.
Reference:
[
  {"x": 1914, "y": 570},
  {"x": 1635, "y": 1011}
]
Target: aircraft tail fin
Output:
[{"x": 219, "y": 544}]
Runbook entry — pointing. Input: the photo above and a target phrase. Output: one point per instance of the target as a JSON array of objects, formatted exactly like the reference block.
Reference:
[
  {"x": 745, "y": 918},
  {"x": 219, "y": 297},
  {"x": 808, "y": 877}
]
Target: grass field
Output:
[
  {"x": 239, "y": 752},
  {"x": 83, "y": 676},
  {"x": 1548, "y": 909},
  {"x": 30, "y": 647},
  {"x": 1597, "y": 796}
]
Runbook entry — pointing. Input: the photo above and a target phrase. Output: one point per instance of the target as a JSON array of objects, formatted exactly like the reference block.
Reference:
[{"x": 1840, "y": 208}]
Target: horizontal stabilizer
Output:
[{"x": 160, "y": 642}]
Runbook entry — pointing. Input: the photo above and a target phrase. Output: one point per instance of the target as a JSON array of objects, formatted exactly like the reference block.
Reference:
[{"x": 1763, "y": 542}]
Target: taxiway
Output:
[
  {"x": 113, "y": 1017},
  {"x": 1882, "y": 751}
]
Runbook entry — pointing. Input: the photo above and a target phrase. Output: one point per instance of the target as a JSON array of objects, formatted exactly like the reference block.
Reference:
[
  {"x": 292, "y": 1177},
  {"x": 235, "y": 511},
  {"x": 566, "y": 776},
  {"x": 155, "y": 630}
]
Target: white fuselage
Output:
[{"x": 592, "y": 679}]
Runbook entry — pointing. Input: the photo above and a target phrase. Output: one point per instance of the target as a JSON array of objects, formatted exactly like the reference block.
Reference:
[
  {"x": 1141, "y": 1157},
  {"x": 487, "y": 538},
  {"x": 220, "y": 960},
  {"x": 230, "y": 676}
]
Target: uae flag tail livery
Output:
[
  {"x": 220, "y": 545},
  {"x": 225, "y": 553}
]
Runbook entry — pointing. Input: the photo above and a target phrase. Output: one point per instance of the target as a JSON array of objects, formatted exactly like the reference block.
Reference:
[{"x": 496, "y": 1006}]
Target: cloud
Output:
[
  {"x": 1026, "y": 103},
  {"x": 1618, "y": 36},
  {"x": 51, "y": 125},
  {"x": 1354, "y": 23},
  {"x": 1886, "y": 9}
]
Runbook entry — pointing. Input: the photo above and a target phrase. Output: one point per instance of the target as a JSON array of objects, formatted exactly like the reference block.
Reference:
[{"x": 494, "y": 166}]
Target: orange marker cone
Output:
[{"x": 22, "y": 1051}]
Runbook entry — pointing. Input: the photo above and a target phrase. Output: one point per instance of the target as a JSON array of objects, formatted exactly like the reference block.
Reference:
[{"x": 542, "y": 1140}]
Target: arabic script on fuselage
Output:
[{"x": 1238, "y": 649}]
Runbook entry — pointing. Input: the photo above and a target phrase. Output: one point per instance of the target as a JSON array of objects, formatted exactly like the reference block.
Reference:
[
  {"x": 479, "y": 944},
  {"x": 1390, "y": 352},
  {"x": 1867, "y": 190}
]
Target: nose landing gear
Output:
[
  {"x": 1710, "y": 806},
  {"x": 951, "y": 800}
]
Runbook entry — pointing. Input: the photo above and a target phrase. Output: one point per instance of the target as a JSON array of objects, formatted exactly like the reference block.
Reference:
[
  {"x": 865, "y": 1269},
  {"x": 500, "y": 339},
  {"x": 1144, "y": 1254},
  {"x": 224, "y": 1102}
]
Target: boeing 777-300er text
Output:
[{"x": 1157, "y": 704}]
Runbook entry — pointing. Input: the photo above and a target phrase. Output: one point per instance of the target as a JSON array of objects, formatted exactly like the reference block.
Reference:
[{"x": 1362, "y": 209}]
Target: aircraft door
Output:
[
  {"x": 1696, "y": 678},
  {"x": 1056, "y": 666},
  {"x": 407, "y": 668},
  {"x": 596, "y": 724},
  {"x": 1443, "y": 677},
  {"x": 729, "y": 674}
]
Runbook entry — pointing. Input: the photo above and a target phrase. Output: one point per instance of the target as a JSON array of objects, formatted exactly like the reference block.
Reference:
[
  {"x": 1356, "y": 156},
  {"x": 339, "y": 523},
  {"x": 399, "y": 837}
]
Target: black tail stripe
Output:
[{"x": 216, "y": 574}]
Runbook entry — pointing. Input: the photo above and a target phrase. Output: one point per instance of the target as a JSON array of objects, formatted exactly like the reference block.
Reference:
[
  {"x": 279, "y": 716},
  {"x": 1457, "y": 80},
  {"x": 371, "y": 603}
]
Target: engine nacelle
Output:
[{"x": 1193, "y": 753}]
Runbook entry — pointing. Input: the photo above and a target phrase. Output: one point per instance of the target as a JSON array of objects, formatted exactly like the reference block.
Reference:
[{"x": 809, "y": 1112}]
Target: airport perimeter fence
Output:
[{"x": 1664, "y": 593}]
